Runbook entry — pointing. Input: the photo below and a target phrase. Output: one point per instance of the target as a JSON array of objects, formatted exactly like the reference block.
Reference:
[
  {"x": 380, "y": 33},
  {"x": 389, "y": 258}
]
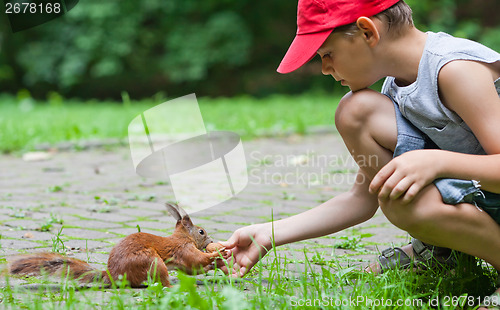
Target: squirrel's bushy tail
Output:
[{"x": 55, "y": 265}]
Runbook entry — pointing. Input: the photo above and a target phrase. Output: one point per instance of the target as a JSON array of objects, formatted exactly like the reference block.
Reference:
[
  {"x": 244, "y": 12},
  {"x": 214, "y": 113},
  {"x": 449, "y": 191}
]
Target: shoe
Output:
[{"x": 425, "y": 255}]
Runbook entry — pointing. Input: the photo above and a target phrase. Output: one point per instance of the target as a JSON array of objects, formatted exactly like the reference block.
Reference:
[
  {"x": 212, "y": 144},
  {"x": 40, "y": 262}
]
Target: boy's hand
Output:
[
  {"x": 406, "y": 175},
  {"x": 247, "y": 245}
]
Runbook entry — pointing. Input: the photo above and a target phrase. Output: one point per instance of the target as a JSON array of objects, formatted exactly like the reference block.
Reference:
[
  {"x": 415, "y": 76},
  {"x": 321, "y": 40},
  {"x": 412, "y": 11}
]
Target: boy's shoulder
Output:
[
  {"x": 440, "y": 49},
  {"x": 446, "y": 45}
]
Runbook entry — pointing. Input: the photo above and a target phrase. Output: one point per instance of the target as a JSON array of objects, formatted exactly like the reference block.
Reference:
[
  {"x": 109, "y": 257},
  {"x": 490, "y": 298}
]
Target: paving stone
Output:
[
  {"x": 22, "y": 224},
  {"x": 19, "y": 244},
  {"x": 27, "y": 235},
  {"x": 92, "y": 224},
  {"x": 84, "y": 233},
  {"x": 4, "y": 218},
  {"x": 85, "y": 245},
  {"x": 6, "y": 252},
  {"x": 149, "y": 225},
  {"x": 145, "y": 213},
  {"x": 117, "y": 215},
  {"x": 67, "y": 210},
  {"x": 128, "y": 231}
]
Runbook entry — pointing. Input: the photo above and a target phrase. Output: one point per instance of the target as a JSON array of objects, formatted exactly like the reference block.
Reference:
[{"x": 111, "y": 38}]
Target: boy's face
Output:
[{"x": 348, "y": 60}]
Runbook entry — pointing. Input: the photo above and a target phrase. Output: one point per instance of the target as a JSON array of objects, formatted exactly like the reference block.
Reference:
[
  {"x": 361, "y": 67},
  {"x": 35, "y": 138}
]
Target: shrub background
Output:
[{"x": 211, "y": 47}]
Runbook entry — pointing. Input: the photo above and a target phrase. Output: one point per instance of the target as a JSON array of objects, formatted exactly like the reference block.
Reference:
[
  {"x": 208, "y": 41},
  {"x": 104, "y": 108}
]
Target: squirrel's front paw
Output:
[
  {"x": 209, "y": 267},
  {"x": 215, "y": 248}
]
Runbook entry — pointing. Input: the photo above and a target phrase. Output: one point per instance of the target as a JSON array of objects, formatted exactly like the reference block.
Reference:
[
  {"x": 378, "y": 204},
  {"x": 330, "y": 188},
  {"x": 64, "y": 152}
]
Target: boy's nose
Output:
[{"x": 326, "y": 66}]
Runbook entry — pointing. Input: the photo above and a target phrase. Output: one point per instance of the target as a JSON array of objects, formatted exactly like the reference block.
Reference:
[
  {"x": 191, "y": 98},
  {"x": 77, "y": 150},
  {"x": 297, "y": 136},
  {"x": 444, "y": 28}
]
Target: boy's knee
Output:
[
  {"x": 355, "y": 108},
  {"x": 411, "y": 218}
]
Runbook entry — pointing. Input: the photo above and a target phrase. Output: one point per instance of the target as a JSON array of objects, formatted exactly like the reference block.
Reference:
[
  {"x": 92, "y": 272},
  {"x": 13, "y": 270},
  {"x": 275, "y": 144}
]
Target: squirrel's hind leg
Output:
[
  {"x": 139, "y": 269},
  {"x": 159, "y": 271}
]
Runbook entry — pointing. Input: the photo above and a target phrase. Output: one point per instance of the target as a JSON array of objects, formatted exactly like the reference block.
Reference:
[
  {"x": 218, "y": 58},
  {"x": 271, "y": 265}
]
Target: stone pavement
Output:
[{"x": 97, "y": 199}]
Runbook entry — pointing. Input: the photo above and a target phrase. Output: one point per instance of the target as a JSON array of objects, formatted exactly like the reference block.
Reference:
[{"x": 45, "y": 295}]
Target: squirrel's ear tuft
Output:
[
  {"x": 173, "y": 209},
  {"x": 186, "y": 221},
  {"x": 182, "y": 212}
]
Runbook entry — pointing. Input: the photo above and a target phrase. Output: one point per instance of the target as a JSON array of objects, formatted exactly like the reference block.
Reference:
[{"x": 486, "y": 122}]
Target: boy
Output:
[{"x": 439, "y": 113}]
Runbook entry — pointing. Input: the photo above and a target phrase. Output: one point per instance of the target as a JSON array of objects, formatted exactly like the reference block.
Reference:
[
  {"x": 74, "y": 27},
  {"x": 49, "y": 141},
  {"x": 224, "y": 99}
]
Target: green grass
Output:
[
  {"x": 26, "y": 124},
  {"x": 275, "y": 283},
  {"x": 302, "y": 279}
]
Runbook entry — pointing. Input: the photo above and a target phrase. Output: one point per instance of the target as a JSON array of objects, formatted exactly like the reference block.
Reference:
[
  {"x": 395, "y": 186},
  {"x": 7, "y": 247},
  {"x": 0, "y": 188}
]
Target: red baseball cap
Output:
[{"x": 316, "y": 19}]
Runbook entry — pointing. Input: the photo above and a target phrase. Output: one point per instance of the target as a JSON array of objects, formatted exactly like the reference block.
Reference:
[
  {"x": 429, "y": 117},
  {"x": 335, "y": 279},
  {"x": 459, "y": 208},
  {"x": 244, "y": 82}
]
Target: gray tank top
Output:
[{"x": 419, "y": 102}]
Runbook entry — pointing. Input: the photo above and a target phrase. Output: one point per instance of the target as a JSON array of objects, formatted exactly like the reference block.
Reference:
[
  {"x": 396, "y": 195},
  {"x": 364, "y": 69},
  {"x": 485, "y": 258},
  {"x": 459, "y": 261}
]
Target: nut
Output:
[{"x": 214, "y": 247}]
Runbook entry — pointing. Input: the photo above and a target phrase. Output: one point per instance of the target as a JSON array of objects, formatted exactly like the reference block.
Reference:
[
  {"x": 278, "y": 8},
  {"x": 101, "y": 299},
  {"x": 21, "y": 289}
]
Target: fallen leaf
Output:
[{"x": 37, "y": 156}]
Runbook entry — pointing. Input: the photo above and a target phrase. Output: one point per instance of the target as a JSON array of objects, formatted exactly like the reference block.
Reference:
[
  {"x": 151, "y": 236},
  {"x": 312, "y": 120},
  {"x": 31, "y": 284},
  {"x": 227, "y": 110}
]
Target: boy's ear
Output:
[{"x": 369, "y": 30}]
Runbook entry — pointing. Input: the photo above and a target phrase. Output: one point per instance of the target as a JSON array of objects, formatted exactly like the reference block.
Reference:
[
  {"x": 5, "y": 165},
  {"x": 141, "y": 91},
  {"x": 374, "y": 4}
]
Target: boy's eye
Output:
[{"x": 326, "y": 55}]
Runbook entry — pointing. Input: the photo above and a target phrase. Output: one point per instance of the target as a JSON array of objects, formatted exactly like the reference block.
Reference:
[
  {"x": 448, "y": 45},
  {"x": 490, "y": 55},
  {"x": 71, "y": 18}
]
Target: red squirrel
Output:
[{"x": 134, "y": 256}]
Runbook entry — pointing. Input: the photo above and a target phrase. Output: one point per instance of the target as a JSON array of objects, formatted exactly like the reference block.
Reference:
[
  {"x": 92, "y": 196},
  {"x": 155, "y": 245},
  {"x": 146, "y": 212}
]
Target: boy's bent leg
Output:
[
  {"x": 366, "y": 120},
  {"x": 461, "y": 227},
  {"x": 367, "y": 123}
]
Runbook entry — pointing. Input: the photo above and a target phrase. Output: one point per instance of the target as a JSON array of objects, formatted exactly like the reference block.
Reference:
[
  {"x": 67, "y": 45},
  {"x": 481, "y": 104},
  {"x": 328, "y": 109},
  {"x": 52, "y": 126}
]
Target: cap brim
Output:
[{"x": 302, "y": 49}]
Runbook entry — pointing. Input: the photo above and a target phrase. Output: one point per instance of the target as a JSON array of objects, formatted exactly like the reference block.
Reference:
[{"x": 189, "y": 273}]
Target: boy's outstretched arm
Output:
[{"x": 248, "y": 244}]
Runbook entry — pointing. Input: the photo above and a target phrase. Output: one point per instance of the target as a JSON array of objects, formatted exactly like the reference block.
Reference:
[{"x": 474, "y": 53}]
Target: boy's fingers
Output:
[
  {"x": 389, "y": 185},
  {"x": 229, "y": 271},
  {"x": 232, "y": 241},
  {"x": 411, "y": 193},
  {"x": 375, "y": 184},
  {"x": 242, "y": 272},
  {"x": 400, "y": 189},
  {"x": 236, "y": 271},
  {"x": 380, "y": 178},
  {"x": 394, "y": 185},
  {"x": 226, "y": 254},
  {"x": 230, "y": 268},
  {"x": 223, "y": 268}
]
